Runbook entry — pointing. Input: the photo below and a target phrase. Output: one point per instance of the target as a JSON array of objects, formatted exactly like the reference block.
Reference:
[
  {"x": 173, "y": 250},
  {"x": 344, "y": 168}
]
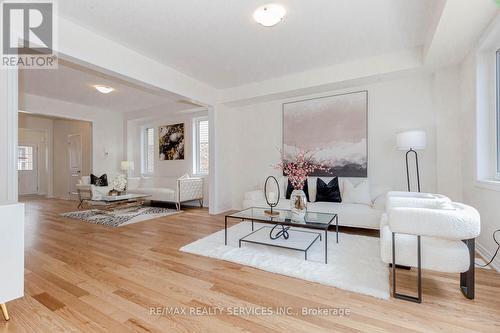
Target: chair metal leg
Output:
[
  {"x": 4, "y": 311},
  {"x": 467, "y": 279},
  {"x": 417, "y": 299},
  {"x": 178, "y": 206},
  {"x": 201, "y": 203}
]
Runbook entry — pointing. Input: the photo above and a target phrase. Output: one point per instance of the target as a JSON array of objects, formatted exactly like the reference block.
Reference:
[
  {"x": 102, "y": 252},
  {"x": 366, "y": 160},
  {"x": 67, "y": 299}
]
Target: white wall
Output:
[
  {"x": 484, "y": 198},
  {"x": 446, "y": 97},
  {"x": 175, "y": 168},
  {"x": 107, "y": 128},
  {"x": 249, "y": 137},
  {"x": 8, "y": 135}
]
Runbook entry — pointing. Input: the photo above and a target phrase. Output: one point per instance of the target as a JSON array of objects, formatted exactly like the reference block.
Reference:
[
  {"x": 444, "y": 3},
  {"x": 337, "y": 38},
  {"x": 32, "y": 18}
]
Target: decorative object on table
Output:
[
  {"x": 272, "y": 198},
  {"x": 113, "y": 193},
  {"x": 99, "y": 181},
  {"x": 298, "y": 168},
  {"x": 282, "y": 233},
  {"x": 328, "y": 192},
  {"x": 290, "y": 188},
  {"x": 119, "y": 183},
  {"x": 171, "y": 142},
  {"x": 334, "y": 126},
  {"x": 411, "y": 141},
  {"x": 127, "y": 166}
]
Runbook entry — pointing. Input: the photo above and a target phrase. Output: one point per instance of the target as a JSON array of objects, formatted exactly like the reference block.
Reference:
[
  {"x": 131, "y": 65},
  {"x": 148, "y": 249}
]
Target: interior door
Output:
[
  {"x": 27, "y": 166},
  {"x": 75, "y": 162}
]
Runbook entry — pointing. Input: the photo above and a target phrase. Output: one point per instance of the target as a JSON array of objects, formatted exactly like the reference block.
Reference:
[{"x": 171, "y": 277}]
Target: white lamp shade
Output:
[
  {"x": 415, "y": 140},
  {"x": 127, "y": 165}
]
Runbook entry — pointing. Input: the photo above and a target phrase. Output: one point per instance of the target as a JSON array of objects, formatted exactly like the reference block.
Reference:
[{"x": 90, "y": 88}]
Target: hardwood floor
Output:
[{"x": 88, "y": 278}]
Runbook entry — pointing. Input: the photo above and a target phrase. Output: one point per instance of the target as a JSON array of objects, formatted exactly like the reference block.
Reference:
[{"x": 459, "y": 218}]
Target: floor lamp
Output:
[{"x": 411, "y": 141}]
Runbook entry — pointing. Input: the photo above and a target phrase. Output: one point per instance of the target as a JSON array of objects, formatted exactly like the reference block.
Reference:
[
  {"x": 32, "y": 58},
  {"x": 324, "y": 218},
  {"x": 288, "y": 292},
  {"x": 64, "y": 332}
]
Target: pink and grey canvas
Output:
[{"x": 334, "y": 127}]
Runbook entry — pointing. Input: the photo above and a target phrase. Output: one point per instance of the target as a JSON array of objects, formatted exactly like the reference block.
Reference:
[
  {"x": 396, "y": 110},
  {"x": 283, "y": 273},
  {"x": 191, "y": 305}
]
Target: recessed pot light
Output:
[
  {"x": 104, "y": 89},
  {"x": 269, "y": 15}
]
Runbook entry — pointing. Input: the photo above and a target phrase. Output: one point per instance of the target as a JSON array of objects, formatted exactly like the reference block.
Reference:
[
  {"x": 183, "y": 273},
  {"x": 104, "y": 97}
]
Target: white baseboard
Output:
[{"x": 483, "y": 252}]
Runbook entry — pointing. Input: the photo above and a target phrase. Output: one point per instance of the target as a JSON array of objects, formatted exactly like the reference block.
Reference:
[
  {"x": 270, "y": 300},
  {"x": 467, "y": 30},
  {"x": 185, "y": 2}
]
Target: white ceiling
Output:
[
  {"x": 74, "y": 83},
  {"x": 217, "y": 41}
]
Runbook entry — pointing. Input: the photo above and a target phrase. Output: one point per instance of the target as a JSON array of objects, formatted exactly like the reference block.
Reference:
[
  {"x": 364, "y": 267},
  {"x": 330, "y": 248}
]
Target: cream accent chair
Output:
[{"x": 429, "y": 231}]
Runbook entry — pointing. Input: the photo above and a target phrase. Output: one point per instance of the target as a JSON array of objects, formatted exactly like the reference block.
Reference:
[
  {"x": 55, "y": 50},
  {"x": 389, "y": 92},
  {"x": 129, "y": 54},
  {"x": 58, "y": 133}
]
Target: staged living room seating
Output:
[
  {"x": 429, "y": 231},
  {"x": 162, "y": 189},
  {"x": 169, "y": 189},
  {"x": 355, "y": 211}
]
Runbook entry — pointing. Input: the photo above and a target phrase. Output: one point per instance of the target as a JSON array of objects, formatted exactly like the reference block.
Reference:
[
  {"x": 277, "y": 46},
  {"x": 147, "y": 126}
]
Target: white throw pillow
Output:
[
  {"x": 311, "y": 184},
  {"x": 359, "y": 194}
]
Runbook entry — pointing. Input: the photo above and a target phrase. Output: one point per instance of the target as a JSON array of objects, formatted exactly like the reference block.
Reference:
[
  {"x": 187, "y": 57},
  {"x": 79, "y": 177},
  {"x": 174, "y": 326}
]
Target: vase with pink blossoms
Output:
[{"x": 298, "y": 168}]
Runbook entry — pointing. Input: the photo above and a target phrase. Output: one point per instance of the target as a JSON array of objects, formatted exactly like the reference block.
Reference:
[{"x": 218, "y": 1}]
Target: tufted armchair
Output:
[{"x": 429, "y": 231}]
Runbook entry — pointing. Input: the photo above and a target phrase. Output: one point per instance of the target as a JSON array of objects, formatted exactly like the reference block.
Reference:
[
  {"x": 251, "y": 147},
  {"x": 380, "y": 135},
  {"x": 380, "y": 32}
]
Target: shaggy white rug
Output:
[{"x": 354, "y": 263}]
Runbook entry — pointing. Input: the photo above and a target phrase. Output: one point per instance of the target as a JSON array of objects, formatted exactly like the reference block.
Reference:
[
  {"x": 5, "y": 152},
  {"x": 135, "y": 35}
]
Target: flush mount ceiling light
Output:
[
  {"x": 269, "y": 15},
  {"x": 103, "y": 89}
]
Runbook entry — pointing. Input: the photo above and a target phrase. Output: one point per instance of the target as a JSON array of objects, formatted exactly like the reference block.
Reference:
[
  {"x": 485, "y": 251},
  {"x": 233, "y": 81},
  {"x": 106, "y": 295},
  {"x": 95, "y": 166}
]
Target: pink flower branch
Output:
[{"x": 300, "y": 167}]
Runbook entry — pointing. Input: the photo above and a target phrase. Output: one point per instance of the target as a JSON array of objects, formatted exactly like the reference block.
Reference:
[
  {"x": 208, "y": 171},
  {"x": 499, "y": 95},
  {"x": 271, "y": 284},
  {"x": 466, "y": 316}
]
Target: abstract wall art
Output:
[
  {"x": 333, "y": 128},
  {"x": 171, "y": 142}
]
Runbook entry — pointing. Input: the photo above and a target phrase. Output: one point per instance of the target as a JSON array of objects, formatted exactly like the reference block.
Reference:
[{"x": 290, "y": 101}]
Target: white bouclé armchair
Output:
[{"x": 429, "y": 231}]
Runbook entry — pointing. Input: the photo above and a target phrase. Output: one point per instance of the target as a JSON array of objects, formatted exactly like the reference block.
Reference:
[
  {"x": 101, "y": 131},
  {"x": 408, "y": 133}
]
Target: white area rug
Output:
[
  {"x": 119, "y": 218},
  {"x": 354, "y": 263}
]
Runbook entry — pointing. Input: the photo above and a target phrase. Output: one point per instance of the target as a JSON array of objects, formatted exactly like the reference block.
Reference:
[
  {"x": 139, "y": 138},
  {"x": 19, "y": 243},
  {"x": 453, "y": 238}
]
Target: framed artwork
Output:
[
  {"x": 171, "y": 142},
  {"x": 333, "y": 128}
]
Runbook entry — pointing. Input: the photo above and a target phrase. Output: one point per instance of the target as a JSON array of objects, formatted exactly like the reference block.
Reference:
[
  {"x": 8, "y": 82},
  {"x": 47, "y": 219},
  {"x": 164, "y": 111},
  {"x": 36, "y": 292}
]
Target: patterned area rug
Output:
[{"x": 120, "y": 218}]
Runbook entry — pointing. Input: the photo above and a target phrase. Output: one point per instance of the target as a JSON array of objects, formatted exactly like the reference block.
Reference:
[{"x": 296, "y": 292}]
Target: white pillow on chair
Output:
[{"x": 359, "y": 194}]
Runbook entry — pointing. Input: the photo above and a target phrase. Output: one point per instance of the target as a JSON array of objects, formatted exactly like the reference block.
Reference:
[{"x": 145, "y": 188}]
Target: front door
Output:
[
  {"x": 75, "y": 162},
  {"x": 27, "y": 166}
]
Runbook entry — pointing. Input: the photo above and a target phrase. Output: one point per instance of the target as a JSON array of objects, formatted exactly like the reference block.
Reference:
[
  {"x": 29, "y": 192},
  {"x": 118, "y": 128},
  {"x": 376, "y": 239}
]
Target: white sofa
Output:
[
  {"x": 429, "y": 231},
  {"x": 359, "y": 215},
  {"x": 168, "y": 189}
]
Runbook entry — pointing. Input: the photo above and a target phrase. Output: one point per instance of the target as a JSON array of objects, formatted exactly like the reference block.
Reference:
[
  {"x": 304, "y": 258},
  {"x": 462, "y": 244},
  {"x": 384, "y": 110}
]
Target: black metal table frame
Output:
[
  {"x": 242, "y": 239},
  {"x": 310, "y": 226}
]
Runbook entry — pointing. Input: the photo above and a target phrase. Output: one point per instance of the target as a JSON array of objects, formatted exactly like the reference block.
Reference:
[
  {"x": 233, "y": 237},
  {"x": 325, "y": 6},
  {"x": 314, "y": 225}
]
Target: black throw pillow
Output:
[
  {"x": 99, "y": 181},
  {"x": 328, "y": 192},
  {"x": 289, "y": 190}
]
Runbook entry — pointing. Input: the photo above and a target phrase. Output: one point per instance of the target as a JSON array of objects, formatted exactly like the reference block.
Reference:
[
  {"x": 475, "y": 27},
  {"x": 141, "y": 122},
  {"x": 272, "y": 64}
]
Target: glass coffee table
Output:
[
  {"x": 312, "y": 220},
  {"x": 107, "y": 204}
]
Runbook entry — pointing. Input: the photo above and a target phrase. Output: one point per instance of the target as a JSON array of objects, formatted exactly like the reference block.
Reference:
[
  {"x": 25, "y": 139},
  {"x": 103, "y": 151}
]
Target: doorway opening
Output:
[{"x": 53, "y": 154}]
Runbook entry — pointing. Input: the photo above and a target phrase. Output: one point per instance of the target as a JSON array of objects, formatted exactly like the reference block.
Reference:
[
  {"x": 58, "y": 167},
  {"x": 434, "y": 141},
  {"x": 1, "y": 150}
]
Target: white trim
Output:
[
  {"x": 492, "y": 185},
  {"x": 70, "y": 176},
  {"x": 196, "y": 145},
  {"x": 12, "y": 134},
  {"x": 144, "y": 149},
  {"x": 486, "y": 255}
]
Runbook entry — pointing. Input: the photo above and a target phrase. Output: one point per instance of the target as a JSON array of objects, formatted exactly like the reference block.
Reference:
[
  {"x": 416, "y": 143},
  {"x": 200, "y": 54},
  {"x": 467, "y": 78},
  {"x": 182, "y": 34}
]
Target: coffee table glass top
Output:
[
  {"x": 311, "y": 220},
  {"x": 125, "y": 197}
]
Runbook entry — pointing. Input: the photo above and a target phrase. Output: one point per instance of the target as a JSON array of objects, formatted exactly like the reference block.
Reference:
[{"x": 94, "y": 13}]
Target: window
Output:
[
  {"x": 498, "y": 115},
  {"x": 149, "y": 151},
  {"x": 201, "y": 151},
  {"x": 25, "y": 158}
]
